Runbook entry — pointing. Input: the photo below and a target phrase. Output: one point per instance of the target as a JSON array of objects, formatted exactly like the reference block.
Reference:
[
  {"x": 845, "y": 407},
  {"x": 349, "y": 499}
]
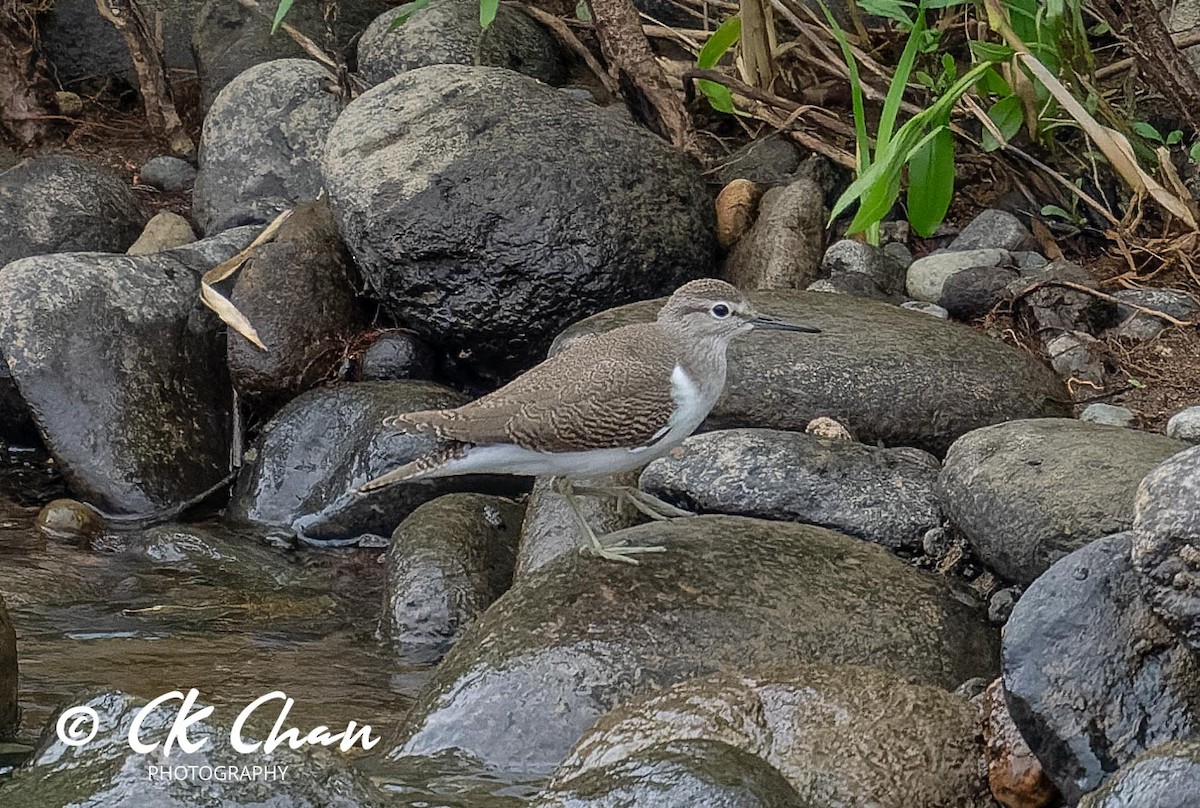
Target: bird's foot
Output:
[
  {"x": 620, "y": 551},
  {"x": 613, "y": 551},
  {"x": 643, "y": 502}
]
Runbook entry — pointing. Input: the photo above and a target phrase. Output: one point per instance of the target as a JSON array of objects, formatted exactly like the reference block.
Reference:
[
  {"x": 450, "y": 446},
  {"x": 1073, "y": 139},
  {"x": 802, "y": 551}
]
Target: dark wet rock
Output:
[
  {"x": 882, "y": 495},
  {"x": 783, "y": 248},
  {"x": 488, "y": 210},
  {"x": 397, "y": 355},
  {"x": 165, "y": 231},
  {"x": 16, "y": 425},
  {"x": 579, "y": 636},
  {"x": 995, "y": 229},
  {"x": 1185, "y": 425},
  {"x": 229, "y": 38},
  {"x": 1026, "y": 493},
  {"x": 69, "y": 519},
  {"x": 1136, "y": 325},
  {"x": 551, "y": 528},
  {"x": 824, "y": 727},
  {"x": 448, "y": 560},
  {"x": 926, "y": 278},
  {"x": 10, "y": 714},
  {"x": 447, "y": 32},
  {"x": 247, "y": 156},
  {"x": 61, "y": 204},
  {"x": 1050, "y": 309},
  {"x": 889, "y": 375},
  {"x": 1015, "y": 775},
  {"x": 297, "y": 292},
  {"x": 1167, "y": 776},
  {"x": 678, "y": 773},
  {"x": 849, "y": 256},
  {"x": 1001, "y": 603},
  {"x": 1077, "y": 355},
  {"x": 770, "y": 160},
  {"x": 1111, "y": 415},
  {"x": 932, "y": 309},
  {"x": 107, "y": 771},
  {"x": 324, "y": 444},
  {"x": 1093, "y": 677},
  {"x": 975, "y": 291},
  {"x": 167, "y": 173},
  {"x": 123, "y": 370},
  {"x": 1166, "y": 530}
]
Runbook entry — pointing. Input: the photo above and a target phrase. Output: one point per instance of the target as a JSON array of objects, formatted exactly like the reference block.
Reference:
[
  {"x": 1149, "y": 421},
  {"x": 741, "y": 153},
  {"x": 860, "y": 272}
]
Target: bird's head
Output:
[{"x": 713, "y": 309}]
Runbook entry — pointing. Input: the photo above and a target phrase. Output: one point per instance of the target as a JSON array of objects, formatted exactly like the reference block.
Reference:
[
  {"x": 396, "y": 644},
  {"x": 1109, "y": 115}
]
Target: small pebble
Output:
[
  {"x": 1185, "y": 425},
  {"x": 937, "y": 542},
  {"x": 827, "y": 428},
  {"x": 1001, "y": 605},
  {"x": 69, "y": 519},
  {"x": 1108, "y": 414},
  {"x": 168, "y": 174},
  {"x": 397, "y": 355},
  {"x": 932, "y": 309}
]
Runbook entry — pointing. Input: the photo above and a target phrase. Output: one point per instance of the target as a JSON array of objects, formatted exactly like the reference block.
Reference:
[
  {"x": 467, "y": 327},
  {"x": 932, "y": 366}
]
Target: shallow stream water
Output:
[{"x": 174, "y": 607}]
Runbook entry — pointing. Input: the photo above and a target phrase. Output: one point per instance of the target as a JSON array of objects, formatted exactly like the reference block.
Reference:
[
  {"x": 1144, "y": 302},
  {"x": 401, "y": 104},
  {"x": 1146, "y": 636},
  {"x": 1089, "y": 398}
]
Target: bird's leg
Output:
[
  {"x": 648, "y": 504},
  {"x": 616, "y": 552}
]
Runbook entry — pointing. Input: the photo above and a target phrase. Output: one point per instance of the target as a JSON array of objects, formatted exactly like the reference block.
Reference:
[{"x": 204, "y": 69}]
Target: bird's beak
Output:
[{"x": 775, "y": 324}]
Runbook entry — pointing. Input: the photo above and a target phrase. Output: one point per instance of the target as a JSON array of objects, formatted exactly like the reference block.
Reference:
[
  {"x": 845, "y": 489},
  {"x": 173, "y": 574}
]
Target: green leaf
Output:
[
  {"x": 930, "y": 4},
  {"x": 1147, "y": 131},
  {"x": 992, "y": 83},
  {"x": 862, "y": 141},
  {"x": 1194, "y": 152},
  {"x": 931, "y": 182},
  {"x": 406, "y": 11},
  {"x": 1175, "y": 137},
  {"x": 718, "y": 95},
  {"x": 1055, "y": 210},
  {"x": 582, "y": 12},
  {"x": 487, "y": 12},
  {"x": 722, "y": 39},
  {"x": 895, "y": 93},
  {"x": 891, "y": 9},
  {"x": 990, "y": 52},
  {"x": 1008, "y": 117},
  {"x": 284, "y": 7}
]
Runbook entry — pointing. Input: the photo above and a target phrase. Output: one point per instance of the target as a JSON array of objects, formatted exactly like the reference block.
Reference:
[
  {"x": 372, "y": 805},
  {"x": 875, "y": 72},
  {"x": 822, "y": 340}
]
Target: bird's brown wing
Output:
[{"x": 607, "y": 391}]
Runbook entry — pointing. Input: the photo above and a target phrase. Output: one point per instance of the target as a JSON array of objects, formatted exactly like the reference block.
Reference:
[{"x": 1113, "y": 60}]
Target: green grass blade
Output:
[
  {"x": 895, "y": 94},
  {"x": 862, "y": 139},
  {"x": 406, "y": 11},
  {"x": 284, "y": 7},
  {"x": 931, "y": 182},
  {"x": 487, "y": 12},
  {"x": 718, "y": 95},
  {"x": 722, "y": 39}
]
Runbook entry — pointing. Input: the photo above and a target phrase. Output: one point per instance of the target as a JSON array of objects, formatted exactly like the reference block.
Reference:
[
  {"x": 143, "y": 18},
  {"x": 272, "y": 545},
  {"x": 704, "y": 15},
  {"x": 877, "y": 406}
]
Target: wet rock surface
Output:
[
  {"x": 9, "y": 711},
  {"x": 814, "y": 723},
  {"x": 297, "y": 291},
  {"x": 60, "y": 204},
  {"x": 324, "y": 444},
  {"x": 1166, "y": 533},
  {"x": 1026, "y": 493},
  {"x": 16, "y": 425},
  {"x": 579, "y": 636},
  {"x": 1167, "y": 776},
  {"x": 106, "y": 771},
  {"x": 447, "y": 32},
  {"x": 889, "y": 375},
  {"x": 678, "y": 773},
  {"x": 253, "y": 165},
  {"x": 397, "y": 355},
  {"x": 1093, "y": 677},
  {"x": 886, "y": 496},
  {"x": 447, "y": 562},
  {"x": 997, "y": 229},
  {"x": 123, "y": 370},
  {"x": 488, "y": 211}
]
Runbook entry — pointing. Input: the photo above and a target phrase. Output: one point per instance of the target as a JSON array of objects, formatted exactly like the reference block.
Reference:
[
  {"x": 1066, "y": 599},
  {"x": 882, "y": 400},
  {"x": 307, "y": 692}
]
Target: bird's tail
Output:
[{"x": 425, "y": 466}]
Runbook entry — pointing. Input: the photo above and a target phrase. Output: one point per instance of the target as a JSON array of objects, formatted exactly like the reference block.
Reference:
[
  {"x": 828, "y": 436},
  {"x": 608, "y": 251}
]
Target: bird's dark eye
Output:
[{"x": 720, "y": 311}]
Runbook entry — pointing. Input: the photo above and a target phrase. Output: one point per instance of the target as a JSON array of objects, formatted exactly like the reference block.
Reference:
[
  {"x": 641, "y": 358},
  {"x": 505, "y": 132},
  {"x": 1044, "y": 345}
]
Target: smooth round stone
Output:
[
  {"x": 994, "y": 229},
  {"x": 167, "y": 173},
  {"x": 397, "y": 355},
  {"x": 876, "y": 263},
  {"x": 1110, "y": 415},
  {"x": 165, "y": 231},
  {"x": 69, "y": 519},
  {"x": 927, "y": 276},
  {"x": 1185, "y": 425},
  {"x": 1167, "y": 776}
]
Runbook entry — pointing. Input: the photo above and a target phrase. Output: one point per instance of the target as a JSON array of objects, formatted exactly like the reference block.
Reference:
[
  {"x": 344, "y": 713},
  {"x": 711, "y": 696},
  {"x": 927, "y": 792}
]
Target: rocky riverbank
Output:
[{"x": 924, "y": 573}]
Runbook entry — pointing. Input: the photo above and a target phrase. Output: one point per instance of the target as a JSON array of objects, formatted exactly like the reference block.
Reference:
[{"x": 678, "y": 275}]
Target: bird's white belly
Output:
[{"x": 692, "y": 407}]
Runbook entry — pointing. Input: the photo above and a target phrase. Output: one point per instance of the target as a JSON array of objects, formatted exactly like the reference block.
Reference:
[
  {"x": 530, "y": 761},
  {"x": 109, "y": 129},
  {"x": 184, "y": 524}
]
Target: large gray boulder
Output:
[
  {"x": 1166, "y": 534},
  {"x": 1093, "y": 678},
  {"x": 488, "y": 211},
  {"x": 62, "y": 204},
  {"x": 1026, "y": 493},
  {"x": 844, "y": 736},
  {"x": 1167, "y": 776},
  {"x": 447, "y": 32},
  {"x": 123, "y": 370},
  {"x": 886, "y": 496},
  {"x": 579, "y": 636},
  {"x": 891, "y": 376},
  {"x": 324, "y": 444},
  {"x": 262, "y": 142}
]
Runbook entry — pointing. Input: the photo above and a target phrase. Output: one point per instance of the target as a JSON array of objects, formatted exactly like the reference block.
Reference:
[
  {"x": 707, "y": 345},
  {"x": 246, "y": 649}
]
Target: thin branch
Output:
[{"x": 564, "y": 32}]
